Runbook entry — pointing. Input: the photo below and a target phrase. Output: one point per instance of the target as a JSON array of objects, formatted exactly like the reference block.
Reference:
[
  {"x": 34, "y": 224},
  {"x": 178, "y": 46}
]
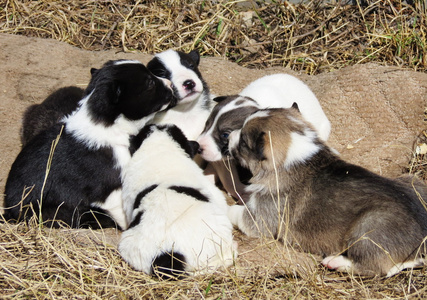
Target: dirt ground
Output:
[{"x": 376, "y": 112}]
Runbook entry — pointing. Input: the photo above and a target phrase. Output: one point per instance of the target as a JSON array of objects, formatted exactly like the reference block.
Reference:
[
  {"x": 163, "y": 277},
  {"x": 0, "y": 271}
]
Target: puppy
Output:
[
  {"x": 304, "y": 194},
  {"x": 194, "y": 103},
  {"x": 282, "y": 91},
  {"x": 76, "y": 179},
  {"x": 273, "y": 91},
  {"x": 178, "y": 218},
  {"x": 55, "y": 107},
  {"x": 58, "y": 105}
]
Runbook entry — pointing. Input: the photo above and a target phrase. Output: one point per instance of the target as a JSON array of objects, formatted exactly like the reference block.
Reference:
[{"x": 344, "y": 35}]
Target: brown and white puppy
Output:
[{"x": 303, "y": 194}]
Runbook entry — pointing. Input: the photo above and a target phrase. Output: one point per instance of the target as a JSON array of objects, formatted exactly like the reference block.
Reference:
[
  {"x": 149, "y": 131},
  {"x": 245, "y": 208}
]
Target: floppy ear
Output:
[
  {"x": 193, "y": 148},
  {"x": 195, "y": 56},
  {"x": 259, "y": 146},
  {"x": 220, "y": 98},
  {"x": 295, "y": 106}
]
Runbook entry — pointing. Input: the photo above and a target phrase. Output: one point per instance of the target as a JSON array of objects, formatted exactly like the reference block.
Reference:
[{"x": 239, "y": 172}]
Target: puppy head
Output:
[
  {"x": 169, "y": 132},
  {"x": 181, "y": 69},
  {"x": 126, "y": 87},
  {"x": 274, "y": 138},
  {"x": 228, "y": 115}
]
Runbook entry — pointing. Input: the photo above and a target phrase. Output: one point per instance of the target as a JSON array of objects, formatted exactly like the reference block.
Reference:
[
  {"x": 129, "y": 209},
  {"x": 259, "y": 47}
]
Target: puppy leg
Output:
[{"x": 240, "y": 217}]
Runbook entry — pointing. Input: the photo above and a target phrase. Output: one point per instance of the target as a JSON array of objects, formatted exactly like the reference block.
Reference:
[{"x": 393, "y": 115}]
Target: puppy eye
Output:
[{"x": 224, "y": 135}]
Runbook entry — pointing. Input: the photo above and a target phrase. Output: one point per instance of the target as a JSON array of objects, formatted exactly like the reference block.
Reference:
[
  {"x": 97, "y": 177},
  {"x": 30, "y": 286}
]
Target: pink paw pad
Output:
[{"x": 339, "y": 263}]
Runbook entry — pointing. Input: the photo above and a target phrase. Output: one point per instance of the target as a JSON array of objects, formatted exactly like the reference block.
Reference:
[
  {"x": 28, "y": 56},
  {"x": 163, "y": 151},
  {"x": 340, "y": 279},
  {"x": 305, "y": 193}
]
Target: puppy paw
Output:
[
  {"x": 339, "y": 263},
  {"x": 235, "y": 214}
]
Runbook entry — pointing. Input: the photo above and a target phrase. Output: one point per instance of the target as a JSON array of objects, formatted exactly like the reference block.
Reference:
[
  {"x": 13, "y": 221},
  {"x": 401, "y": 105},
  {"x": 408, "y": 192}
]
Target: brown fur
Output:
[{"x": 327, "y": 206}]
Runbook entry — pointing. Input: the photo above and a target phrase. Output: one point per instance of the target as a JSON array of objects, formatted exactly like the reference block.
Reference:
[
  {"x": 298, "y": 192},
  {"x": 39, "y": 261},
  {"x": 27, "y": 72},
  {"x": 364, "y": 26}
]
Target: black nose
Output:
[{"x": 189, "y": 84}]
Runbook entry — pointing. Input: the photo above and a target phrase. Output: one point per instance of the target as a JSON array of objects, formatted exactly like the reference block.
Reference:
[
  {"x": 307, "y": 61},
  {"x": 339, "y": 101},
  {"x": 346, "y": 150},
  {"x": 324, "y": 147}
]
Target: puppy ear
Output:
[
  {"x": 295, "y": 106},
  {"x": 193, "y": 148},
  {"x": 259, "y": 146},
  {"x": 220, "y": 98},
  {"x": 195, "y": 56},
  {"x": 93, "y": 71}
]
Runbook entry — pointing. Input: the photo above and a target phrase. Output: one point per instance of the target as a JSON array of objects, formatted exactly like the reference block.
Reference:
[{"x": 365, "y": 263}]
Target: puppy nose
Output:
[
  {"x": 189, "y": 84},
  {"x": 200, "y": 150}
]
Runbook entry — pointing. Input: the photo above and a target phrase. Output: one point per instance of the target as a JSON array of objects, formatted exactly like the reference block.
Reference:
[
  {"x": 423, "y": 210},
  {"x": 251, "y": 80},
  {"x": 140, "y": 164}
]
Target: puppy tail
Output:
[{"x": 168, "y": 266}]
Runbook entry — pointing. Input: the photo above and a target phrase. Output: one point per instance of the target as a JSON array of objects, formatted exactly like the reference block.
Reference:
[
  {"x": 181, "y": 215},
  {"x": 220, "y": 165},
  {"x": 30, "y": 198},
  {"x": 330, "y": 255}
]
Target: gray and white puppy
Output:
[
  {"x": 272, "y": 91},
  {"x": 304, "y": 194}
]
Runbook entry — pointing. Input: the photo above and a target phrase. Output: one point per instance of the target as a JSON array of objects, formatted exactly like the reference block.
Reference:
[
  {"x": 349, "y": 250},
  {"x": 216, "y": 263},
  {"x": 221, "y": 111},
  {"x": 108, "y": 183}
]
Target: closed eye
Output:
[
  {"x": 150, "y": 84},
  {"x": 159, "y": 73}
]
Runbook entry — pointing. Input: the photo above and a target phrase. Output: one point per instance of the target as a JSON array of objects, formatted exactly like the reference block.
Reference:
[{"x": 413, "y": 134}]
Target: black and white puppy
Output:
[
  {"x": 178, "y": 218},
  {"x": 304, "y": 194},
  {"x": 53, "y": 109},
  {"x": 272, "y": 91},
  {"x": 194, "y": 103},
  {"x": 77, "y": 179}
]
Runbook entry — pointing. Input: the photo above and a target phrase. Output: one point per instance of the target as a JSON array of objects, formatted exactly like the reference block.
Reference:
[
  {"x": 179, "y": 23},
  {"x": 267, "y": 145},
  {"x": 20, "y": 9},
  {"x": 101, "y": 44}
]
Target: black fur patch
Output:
[
  {"x": 129, "y": 89},
  {"x": 191, "y": 148},
  {"x": 142, "y": 194},
  {"x": 157, "y": 68},
  {"x": 136, "y": 220},
  {"x": 192, "y": 192},
  {"x": 169, "y": 266},
  {"x": 136, "y": 140}
]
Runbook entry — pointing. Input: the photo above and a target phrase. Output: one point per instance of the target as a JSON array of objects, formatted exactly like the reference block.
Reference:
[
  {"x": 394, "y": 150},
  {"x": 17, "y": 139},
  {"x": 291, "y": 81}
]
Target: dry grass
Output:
[
  {"x": 38, "y": 262},
  {"x": 314, "y": 37},
  {"x": 43, "y": 263}
]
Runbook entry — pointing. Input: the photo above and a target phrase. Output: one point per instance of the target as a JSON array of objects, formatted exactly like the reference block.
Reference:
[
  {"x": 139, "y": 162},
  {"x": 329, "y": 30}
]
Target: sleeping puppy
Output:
[
  {"x": 76, "y": 179},
  {"x": 178, "y": 218},
  {"x": 303, "y": 194},
  {"x": 194, "y": 103},
  {"x": 56, "y": 106},
  {"x": 272, "y": 91}
]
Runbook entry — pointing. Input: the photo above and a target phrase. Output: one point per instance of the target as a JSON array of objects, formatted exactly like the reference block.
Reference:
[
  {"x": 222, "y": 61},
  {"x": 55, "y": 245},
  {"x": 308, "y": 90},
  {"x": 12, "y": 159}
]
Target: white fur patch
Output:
[
  {"x": 406, "y": 265},
  {"x": 210, "y": 149},
  {"x": 95, "y": 136},
  {"x": 233, "y": 139},
  {"x": 126, "y": 61},
  {"x": 301, "y": 148},
  {"x": 283, "y": 90},
  {"x": 258, "y": 114},
  {"x": 114, "y": 206}
]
